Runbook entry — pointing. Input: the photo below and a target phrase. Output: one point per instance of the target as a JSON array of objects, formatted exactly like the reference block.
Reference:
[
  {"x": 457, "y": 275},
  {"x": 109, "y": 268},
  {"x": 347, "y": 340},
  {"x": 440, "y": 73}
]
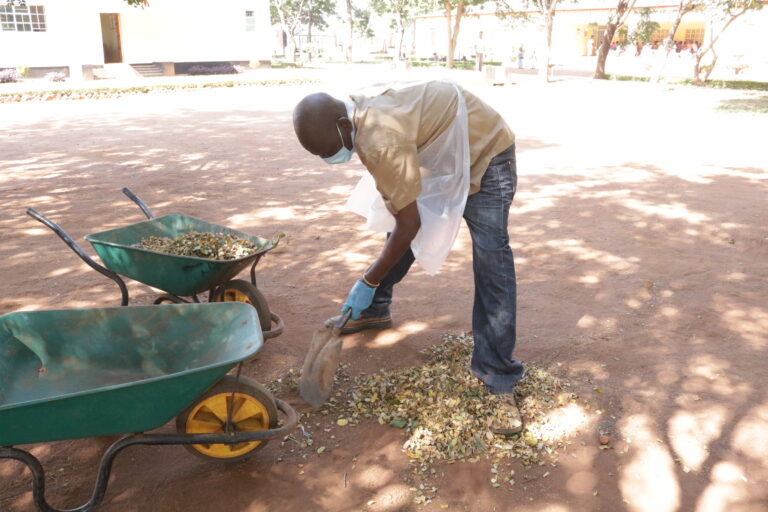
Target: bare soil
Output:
[{"x": 639, "y": 231}]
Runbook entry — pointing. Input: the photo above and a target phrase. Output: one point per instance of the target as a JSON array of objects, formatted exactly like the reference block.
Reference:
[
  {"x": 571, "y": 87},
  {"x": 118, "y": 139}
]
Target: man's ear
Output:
[
  {"x": 345, "y": 124},
  {"x": 346, "y": 128}
]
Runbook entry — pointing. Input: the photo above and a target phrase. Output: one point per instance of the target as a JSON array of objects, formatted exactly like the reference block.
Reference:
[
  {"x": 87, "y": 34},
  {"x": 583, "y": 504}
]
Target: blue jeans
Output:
[{"x": 494, "y": 311}]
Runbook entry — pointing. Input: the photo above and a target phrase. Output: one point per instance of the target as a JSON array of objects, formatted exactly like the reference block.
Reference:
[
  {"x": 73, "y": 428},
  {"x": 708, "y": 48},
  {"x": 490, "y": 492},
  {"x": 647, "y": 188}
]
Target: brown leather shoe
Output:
[
  {"x": 361, "y": 324},
  {"x": 508, "y": 420}
]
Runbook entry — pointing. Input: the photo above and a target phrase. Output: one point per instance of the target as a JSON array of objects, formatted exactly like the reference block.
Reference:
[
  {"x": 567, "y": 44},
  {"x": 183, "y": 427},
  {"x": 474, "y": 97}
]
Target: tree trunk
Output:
[
  {"x": 291, "y": 47},
  {"x": 618, "y": 16},
  {"x": 669, "y": 41},
  {"x": 455, "y": 35},
  {"x": 349, "y": 42},
  {"x": 711, "y": 66},
  {"x": 605, "y": 47},
  {"x": 400, "y": 43},
  {"x": 309, "y": 40},
  {"x": 545, "y": 71},
  {"x": 448, "y": 11},
  {"x": 697, "y": 69},
  {"x": 711, "y": 48}
]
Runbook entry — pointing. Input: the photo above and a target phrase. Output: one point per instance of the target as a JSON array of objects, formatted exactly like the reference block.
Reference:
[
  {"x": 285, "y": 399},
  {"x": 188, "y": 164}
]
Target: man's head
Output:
[{"x": 321, "y": 124}]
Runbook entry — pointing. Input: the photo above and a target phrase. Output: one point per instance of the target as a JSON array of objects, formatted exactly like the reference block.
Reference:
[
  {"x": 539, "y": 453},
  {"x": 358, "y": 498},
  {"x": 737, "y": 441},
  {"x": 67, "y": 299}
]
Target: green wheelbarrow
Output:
[
  {"x": 177, "y": 276},
  {"x": 78, "y": 373}
]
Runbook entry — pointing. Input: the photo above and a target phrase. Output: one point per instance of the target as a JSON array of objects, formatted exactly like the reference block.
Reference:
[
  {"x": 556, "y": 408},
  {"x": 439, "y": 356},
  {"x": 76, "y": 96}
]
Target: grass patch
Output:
[
  {"x": 756, "y": 105},
  {"x": 744, "y": 85},
  {"x": 731, "y": 84},
  {"x": 628, "y": 78}
]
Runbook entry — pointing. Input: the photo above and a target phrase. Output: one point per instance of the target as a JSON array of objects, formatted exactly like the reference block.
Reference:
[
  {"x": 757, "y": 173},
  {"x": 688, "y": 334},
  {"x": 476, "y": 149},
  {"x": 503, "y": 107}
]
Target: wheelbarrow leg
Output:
[{"x": 38, "y": 474}]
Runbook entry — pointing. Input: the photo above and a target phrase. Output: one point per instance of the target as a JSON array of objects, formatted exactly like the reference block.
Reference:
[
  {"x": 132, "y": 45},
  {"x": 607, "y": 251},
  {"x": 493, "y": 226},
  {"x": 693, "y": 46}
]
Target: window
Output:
[
  {"x": 22, "y": 18},
  {"x": 659, "y": 35},
  {"x": 250, "y": 22},
  {"x": 695, "y": 34}
]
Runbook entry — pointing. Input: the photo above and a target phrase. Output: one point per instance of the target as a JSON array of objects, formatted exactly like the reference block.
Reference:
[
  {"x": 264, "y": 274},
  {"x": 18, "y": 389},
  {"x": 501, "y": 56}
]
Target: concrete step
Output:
[
  {"x": 147, "y": 70},
  {"x": 114, "y": 70}
]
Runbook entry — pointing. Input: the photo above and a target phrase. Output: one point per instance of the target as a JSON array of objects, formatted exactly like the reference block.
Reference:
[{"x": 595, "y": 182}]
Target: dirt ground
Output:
[{"x": 639, "y": 232}]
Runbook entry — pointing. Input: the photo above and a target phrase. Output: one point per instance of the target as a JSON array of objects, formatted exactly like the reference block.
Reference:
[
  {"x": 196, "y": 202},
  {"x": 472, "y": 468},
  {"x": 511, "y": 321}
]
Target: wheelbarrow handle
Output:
[
  {"x": 105, "y": 467},
  {"x": 80, "y": 252},
  {"x": 133, "y": 197}
]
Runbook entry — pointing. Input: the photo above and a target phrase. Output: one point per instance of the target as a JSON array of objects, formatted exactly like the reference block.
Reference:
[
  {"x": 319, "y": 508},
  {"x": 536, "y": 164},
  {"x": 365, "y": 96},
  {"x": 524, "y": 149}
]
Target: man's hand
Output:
[{"x": 359, "y": 299}]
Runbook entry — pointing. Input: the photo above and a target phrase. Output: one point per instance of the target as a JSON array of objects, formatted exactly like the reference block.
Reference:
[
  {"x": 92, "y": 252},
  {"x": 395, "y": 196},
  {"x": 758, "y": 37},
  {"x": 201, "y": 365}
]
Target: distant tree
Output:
[
  {"x": 358, "y": 21},
  {"x": 722, "y": 14},
  {"x": 350, "y": 31},
  {"x": 402, "y": 16},
  {"x": 362, "y": 22},
  {"x": 289, "y": 14},
  {"x": 315, "y": 15},
  {"x": 505, "y": 9},
  {"x": 683, "y": 8},
  {"x": 615, "y": 20},
  {"x": 461, "y": 7}
]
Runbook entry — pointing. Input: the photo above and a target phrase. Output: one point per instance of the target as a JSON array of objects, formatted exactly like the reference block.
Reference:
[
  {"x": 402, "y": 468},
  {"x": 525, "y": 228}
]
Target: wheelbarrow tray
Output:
[
  {"x": 179, "y": 275},
  {"x": 67, "y": 374}
]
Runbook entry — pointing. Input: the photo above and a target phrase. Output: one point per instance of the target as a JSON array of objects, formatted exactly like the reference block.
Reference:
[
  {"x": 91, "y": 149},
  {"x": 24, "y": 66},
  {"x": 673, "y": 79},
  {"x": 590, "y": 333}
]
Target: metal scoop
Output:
[{"x": 321, "y": 362}]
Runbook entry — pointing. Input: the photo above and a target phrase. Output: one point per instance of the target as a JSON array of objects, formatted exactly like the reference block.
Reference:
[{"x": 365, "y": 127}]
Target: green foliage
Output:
[
  {"x": 401, "y": 10},
  {"x": 505, "y": 12},
  {"x": 361, "y": 21},
  {"x": 22, "y": 70},
  {"x": 316, "y": 12},
  {"x": 623, "y": 37},
  {"x": 643, "y": 32}
]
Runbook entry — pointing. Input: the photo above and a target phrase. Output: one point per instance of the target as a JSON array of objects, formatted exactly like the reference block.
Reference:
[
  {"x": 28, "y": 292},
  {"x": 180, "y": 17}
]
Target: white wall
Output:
[
  {"x": 167, "y": 31},
  {"x": 73, "y": 36}
]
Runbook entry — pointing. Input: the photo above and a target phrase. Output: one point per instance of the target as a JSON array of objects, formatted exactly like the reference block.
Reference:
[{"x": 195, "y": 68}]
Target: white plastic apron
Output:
[{"x": 444, "y": 167}]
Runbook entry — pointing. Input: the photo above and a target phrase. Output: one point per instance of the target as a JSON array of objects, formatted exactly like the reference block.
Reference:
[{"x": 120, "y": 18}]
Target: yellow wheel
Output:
[
  {"x": 253, "y": 408},
  {"x": 239, "y": 290}
]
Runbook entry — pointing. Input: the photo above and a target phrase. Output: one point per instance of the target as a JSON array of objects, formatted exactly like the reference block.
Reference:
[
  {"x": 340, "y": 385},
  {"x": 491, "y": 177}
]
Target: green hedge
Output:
[
  {"x": 116, "y": 92},
  {"x": 457, "y": 64}
]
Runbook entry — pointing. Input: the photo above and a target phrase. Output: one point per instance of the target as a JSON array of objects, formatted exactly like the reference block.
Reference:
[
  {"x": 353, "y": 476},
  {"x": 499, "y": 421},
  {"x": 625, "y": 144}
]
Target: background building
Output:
[
  {"x": 167, "y": 37},
  {"x": 745, "y": 43}
]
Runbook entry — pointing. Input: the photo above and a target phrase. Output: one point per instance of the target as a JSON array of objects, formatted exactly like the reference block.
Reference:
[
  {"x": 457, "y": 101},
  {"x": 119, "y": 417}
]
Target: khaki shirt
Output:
[{"x": 394, "y": 126}]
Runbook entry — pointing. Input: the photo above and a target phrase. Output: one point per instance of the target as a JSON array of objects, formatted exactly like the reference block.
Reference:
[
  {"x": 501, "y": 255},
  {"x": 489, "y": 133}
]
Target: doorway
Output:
[{"x": 110, "y": 37}]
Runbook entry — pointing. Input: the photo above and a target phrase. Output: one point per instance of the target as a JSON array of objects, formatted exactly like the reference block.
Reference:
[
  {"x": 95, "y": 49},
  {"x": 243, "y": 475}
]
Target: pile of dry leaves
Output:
[
  {"x": 214, "y": 246},
  {"x": 446, "y": 413}
]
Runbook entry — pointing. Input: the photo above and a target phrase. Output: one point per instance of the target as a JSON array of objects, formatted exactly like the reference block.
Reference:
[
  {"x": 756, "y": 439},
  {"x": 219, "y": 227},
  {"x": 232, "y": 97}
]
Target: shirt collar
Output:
[{"x": 350, "y": 108}]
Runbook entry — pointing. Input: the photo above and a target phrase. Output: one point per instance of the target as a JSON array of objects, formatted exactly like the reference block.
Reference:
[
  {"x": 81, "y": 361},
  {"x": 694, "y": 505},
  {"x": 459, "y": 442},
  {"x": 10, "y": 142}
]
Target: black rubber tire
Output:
[
  {"x": 255, "y": 299},
  {"x": 228, "y": 384}
]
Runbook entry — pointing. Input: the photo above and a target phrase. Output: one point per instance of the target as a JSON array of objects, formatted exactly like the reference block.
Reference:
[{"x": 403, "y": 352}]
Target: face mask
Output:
[{"x": 344, "y": 154}]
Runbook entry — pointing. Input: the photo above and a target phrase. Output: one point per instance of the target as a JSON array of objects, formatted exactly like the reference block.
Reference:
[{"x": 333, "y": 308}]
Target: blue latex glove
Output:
[{"x": 359, "y": 298}]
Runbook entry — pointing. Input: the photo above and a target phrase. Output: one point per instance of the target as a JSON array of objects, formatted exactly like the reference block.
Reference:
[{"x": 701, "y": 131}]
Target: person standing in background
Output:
[
  {"x": 479, "y": 52},
  {"x": 520, "y": 56}
]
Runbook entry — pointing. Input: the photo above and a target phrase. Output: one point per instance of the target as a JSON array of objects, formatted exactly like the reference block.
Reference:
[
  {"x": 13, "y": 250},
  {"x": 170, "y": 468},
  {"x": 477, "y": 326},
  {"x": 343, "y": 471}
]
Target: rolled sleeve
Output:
[{"x": 395, "y": 170}]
